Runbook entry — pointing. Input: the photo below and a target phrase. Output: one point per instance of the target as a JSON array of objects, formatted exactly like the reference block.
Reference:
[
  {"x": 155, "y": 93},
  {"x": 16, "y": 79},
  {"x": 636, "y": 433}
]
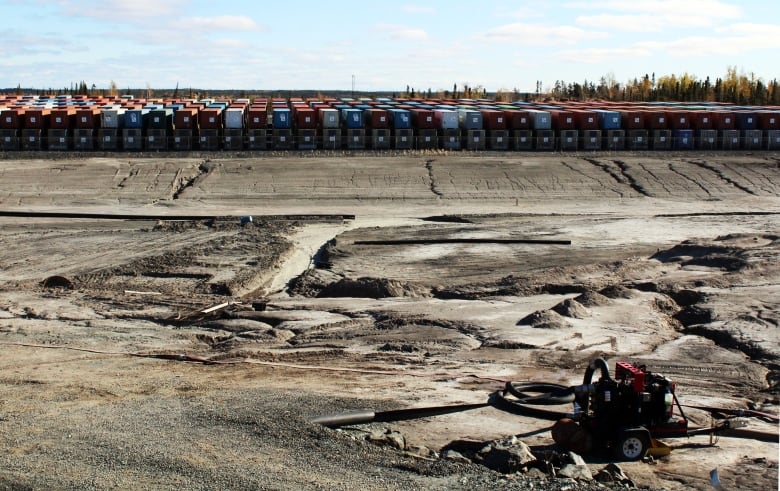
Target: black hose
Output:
[
  {"x": 550, "y": 394},
  {"x": 583, "y": 397},
  {"x": 597, "y": 363},
  {"x": 521, "y": 403}
]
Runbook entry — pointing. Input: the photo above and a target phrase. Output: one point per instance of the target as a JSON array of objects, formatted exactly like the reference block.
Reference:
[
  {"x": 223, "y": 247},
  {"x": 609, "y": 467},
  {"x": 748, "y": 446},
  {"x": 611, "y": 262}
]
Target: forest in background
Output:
[{"x": 736, "y": 87}]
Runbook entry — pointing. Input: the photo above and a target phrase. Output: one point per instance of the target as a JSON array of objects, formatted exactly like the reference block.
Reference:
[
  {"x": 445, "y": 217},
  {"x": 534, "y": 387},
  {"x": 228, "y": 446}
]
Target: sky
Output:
[{"x": 380, "y": 45}]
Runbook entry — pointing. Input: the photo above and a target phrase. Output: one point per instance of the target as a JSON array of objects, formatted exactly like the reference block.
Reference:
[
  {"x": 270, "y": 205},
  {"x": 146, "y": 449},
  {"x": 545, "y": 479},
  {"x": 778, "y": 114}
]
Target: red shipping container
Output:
[
  {"x": 562, "y": 120},
  {"x": 210, "y": 118},
  {"x": 37, "y": 118},
  {"x": 376, "y": 118},
  {"x": 632, "y": 120},
  {"x": 702, "y": 120},
  {"x": 422, "y": 119},
  {"x": 679, "y": 120},
  {"x": 87, "y": 118},
  {"x": 305, "y": 117},
  {"x": 62, "y": 119},
  {"x": 517, "y": 120},
  {"x": 724, "y": 120},
  {"x": 186, "y": 118},
  {"x": 257, "y": 117},
  {"x": 12, "y": 119},
  {"x": 656, "y": 120},
  {"x": 769, "y": 120},
  {"x": 586, "y": 120},
  {"x": 493, "y": 119}
]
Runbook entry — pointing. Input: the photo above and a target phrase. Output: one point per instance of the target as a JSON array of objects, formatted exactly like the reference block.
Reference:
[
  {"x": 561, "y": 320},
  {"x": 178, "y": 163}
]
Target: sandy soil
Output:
[{"x": 674, "y": 262}]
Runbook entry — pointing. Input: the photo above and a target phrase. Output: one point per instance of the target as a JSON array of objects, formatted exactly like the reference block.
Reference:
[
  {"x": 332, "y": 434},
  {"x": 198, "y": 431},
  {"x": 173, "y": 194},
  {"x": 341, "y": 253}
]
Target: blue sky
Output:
[{"x": 385, "y": 45}]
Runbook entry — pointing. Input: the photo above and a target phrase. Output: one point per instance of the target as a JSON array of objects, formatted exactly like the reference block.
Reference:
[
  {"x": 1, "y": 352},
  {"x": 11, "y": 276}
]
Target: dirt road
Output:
[{"x": 452, "y": 276}]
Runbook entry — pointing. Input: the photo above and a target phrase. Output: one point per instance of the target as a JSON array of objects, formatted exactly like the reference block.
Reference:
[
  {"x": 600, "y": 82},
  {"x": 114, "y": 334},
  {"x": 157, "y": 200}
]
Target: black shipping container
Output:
[
  {"x": 233, "y": 139},
  {"x": 544, "y": 140},
  {"x": 426, "y": 139},
  {"x": 474, "y": 139},
  {"x": 331, "y": 138},
  {"x": 498, "y": 140},
  {"x": 380, "y": 139},
  {"x": 707, "y": 139},
  {"x": 662, "y": 140},
  {"x": 108, "y": 139},
  {"x": 729, "y": 140},
  {"x": 568, "y": 141},
  {"x": 591, "y": 140},
  {"x": 637, "y": 140},
  {"x": 404, "y": 139},
  {"x": 450, "y": 139},
  {"x": 522, "y": 140},
  {"x": 57, "y": 140},
  {"x": 614, "y": 140}
]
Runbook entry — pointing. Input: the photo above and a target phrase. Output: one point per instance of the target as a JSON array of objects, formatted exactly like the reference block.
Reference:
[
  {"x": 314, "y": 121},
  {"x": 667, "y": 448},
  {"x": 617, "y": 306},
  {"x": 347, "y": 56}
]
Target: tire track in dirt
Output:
[
  {"x": 688, "y": 178},
  {"x": 744, "y": 176},
  {"x": 432, "y": 178},
  {"x": 181, "y": 183},
  {"x": 654, "y": 176},
  {"x": 719, "y": 172},
  {"x": 588, "y": 176},
  {"x": 619, "y": 175}
]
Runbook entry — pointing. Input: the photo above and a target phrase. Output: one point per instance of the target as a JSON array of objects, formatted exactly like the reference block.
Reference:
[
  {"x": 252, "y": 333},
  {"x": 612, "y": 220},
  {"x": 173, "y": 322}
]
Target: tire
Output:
[{"x": 632, "y": 446}]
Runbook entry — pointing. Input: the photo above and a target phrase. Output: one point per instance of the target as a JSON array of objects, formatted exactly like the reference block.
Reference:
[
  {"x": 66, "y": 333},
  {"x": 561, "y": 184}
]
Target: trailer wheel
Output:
[{"x": 632, "y": 446}]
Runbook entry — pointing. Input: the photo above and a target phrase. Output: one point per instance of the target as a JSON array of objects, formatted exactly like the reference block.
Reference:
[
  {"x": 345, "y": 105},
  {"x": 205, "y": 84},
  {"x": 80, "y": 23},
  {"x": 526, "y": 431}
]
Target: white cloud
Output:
[
  {"x": 123, "y": 10},
  {"x": 404, "y": 33},
  {"x": 599, "y": 55},
  {"x": 417, "y": 9},
  {"x": 655, "y": 15},
  {"x": 539, "y": 34},
  {"x": 222, "y": 22},
  {"x": 14, "y": 43},
  {"x": 689, "y": 9},
  {"x": 771, "y": 32}
]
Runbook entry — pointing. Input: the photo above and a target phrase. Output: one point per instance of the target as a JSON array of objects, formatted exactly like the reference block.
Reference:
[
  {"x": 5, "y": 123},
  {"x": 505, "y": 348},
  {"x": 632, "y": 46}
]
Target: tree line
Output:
[{"x": 734, "y": 87}]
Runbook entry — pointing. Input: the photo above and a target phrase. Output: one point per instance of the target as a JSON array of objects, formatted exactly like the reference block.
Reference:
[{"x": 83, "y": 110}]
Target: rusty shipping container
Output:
[{"x": 210, "y": 118}]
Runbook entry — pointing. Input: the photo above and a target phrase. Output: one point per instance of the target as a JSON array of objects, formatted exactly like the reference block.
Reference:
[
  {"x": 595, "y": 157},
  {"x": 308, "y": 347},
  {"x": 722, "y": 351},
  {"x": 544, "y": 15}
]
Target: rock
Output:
[
  {"x": 422, "y": 451},
  {"x": 617, "y": 291},
  {"x": 535, "y": 472},
  {"x": 507, "y": 456},
  {"x": 456, "y": 456},
  {"x": 544, "y": 319},
  {"x": 388, "y": 437},
  {"x": 571, "y": 308},
  {"x": 612, "y": 473},
  {"x": 282, "y": 334},
  {"x": 578, "y": 472},
  {"x": 592, "y": 299},
  {"x": 576, "y": 459}
]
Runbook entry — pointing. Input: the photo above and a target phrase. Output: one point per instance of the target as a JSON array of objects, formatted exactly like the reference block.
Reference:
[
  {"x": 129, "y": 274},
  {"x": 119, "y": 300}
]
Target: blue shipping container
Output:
[
  {"x": 134, "y": 118},
  {"x": 281, "y": 118},
  {"x": 540, "y": 120},
  {"x": 352, "y": 118},
  {"x": 400, "y": 119},
  {"x": 608, "y": 120}
]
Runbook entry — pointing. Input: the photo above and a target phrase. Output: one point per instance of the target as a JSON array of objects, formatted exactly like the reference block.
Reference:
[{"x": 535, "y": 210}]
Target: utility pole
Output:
[{"x": 353, "y": 86}]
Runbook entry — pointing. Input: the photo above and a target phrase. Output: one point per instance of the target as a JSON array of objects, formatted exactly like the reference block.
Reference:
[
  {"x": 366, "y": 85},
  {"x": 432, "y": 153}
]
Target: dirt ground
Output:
[{"x": 367, "y": 281}]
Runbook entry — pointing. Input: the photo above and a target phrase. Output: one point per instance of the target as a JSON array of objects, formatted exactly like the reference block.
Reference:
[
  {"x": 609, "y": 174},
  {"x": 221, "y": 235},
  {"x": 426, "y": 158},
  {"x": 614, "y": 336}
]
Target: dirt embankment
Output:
[{"x": 192, "y": 353}]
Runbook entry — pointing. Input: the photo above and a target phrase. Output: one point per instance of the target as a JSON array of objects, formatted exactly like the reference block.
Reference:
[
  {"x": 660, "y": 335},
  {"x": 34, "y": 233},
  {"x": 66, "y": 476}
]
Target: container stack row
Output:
[{"x": 127, "y": 123}]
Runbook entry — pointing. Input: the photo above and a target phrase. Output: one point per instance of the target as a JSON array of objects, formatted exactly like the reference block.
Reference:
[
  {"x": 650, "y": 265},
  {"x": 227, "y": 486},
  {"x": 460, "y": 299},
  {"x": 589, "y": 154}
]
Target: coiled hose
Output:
[{"x": 515, "y": 399}]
